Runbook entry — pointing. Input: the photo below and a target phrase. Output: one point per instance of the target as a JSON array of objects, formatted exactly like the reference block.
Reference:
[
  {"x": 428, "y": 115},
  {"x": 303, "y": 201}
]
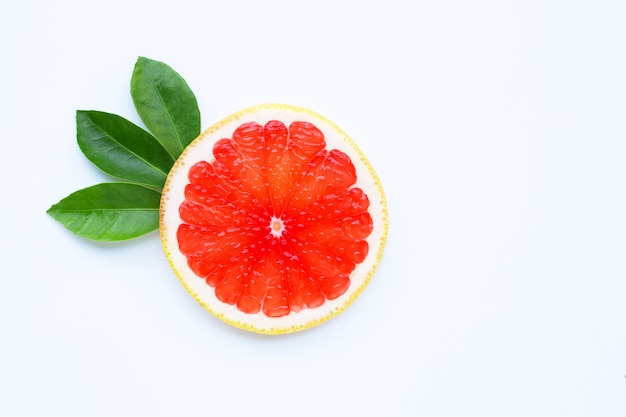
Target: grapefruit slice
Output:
[{"x": 273, "y": 219}]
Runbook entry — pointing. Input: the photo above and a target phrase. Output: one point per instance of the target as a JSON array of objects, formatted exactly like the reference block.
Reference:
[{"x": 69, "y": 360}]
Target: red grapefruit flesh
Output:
[{"x": 273, "y": 219}]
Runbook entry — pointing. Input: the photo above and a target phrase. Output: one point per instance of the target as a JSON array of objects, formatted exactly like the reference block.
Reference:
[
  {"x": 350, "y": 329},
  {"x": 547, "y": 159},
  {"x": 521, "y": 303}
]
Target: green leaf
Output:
[
  {"x": 109, "y": 211},
  {"x": 121, "y": 148},
  {"x": 166, "y": 104}
]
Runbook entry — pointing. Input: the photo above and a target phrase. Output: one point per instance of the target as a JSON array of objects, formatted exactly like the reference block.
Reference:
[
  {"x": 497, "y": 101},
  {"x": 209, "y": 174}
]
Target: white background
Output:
[{"x": 498, "y": 129}]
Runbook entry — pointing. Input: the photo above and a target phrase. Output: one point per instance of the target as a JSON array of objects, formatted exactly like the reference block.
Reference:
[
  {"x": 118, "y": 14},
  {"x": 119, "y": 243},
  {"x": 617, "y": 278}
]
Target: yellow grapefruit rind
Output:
[{"x": 204, "y": 294}]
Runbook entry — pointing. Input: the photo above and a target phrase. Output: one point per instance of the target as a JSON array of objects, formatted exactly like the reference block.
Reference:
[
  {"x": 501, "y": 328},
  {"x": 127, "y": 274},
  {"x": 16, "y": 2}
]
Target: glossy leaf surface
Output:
[
  {"x": 121, "y": 148},
  {"x": 109, "y": 211},
  {"x": 166, "y": 104}
]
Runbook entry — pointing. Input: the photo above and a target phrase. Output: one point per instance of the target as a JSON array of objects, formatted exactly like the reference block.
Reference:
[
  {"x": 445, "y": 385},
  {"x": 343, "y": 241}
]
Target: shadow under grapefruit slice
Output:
[{"x": 273, "y": 219}]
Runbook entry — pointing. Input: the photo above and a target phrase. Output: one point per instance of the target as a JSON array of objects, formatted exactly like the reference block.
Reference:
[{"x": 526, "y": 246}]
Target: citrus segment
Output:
[{"x": 273, "y": 219}]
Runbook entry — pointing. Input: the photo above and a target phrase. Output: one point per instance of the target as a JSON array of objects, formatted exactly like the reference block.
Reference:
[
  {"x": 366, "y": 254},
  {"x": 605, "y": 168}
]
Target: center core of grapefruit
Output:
[
  {"x": 273, "y": 219},
  {"x": 276, "y": 227}
]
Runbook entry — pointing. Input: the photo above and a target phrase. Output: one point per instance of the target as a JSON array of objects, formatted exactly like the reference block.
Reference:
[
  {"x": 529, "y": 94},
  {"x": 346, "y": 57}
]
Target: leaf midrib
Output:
[
  {"x": 105, "y": 209},
  {"x": 169, "y": 116},
  {"x": 108, "y": 135}
]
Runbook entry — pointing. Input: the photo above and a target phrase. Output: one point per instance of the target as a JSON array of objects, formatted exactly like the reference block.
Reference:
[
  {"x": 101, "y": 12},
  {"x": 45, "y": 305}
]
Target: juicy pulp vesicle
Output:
[{"x": 274, "y": 223}]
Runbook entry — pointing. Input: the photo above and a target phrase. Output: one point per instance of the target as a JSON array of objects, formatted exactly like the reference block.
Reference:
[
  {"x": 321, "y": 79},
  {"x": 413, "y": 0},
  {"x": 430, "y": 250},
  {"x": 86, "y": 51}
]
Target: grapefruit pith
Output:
[{"x": 273, "y": 219}]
